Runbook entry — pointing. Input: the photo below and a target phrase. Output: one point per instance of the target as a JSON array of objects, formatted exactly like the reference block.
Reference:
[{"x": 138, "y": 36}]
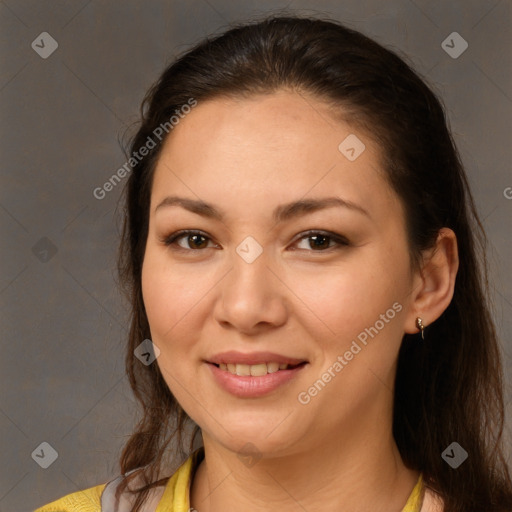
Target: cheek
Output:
[
  {"x": 361, "y": 304},
  {"x": 171, "y": 294},
  {"x": 171, "y": 300},
  {"x": 347, "y": 299}
]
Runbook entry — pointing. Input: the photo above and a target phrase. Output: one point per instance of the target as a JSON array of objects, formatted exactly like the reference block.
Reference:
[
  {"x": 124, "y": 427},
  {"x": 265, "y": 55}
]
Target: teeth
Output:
[
  {"x": 243, "y": 369},
  {"x": 272, "y": 367},
  {"x": 257, "y": 370},
  {"x": 254, "y": 370}
]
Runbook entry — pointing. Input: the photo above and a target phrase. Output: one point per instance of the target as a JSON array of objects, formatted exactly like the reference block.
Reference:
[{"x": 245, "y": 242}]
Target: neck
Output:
[{"x": 361, "y": 471}]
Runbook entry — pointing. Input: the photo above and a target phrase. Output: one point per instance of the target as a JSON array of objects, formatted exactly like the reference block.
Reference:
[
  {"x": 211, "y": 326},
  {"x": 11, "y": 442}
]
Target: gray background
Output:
[{"x": 64, "y": 324}]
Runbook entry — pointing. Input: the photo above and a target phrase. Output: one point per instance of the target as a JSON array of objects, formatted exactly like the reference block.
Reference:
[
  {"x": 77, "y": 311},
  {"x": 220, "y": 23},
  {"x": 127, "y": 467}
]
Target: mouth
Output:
[
  {"x": 254, "y": 375},
  {"x": 255, "y": 380},
  {"x": 256, "y": 370}
]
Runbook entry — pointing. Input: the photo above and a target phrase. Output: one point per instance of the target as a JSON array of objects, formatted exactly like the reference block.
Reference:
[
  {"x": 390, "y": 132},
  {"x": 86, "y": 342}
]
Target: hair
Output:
[{"x": 449, "y": 387}]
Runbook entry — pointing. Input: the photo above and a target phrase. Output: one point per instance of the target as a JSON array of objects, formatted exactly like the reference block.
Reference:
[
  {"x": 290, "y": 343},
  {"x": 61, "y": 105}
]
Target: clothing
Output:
[{"x": 173, "y": 498}]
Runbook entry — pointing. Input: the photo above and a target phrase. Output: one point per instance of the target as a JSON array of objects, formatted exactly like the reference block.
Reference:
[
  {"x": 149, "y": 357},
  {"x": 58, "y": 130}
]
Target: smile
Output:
[
  {"x": 254, "y": 380},
  {"x": 255, "y": 370}
]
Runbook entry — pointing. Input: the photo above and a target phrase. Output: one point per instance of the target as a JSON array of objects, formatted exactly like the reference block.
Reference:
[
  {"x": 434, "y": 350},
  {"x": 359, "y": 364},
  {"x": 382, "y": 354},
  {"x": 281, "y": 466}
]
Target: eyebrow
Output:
[{"x": 281, "y": 213}]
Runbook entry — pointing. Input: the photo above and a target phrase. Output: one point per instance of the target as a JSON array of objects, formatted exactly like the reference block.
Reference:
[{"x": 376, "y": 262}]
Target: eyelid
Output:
[
  {"x": 172, "y": 238},
  {"x": 340, "y": 240}
]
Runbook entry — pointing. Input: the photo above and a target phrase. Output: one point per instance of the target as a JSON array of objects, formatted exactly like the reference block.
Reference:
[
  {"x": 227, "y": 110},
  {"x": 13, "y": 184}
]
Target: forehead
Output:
[{"x": 270, "y": 148}]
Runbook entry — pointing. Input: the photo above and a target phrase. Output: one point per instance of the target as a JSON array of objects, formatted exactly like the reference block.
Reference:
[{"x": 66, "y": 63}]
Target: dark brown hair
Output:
[{"x": 448, "y": 388}]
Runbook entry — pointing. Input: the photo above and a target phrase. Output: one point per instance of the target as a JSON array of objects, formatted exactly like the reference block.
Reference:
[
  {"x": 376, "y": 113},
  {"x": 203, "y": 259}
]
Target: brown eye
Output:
[
  {"x": 196, "y": 241},
  {"x": 319, "y": 241},
  {"x": 193, "y": 240}
]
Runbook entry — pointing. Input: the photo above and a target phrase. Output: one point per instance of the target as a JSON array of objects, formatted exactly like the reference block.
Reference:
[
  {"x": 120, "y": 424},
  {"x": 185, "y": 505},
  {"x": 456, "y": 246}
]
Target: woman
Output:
[{"x": 302, "y": 249}]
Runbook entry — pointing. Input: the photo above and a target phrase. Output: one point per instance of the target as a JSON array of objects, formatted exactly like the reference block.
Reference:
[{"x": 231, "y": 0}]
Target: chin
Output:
[{"x": 246, "y": 436}]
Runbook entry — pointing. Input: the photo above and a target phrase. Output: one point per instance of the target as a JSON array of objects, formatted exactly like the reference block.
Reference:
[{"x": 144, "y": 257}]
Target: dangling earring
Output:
[{"x": 419, "y": 325}]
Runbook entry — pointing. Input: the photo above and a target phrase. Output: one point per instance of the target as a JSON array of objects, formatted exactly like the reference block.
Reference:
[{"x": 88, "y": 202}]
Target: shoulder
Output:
[
  {"x": 87, "y": 500},
  {"x": 102, "y": 497},
  {"x": 99, "y": 498}
]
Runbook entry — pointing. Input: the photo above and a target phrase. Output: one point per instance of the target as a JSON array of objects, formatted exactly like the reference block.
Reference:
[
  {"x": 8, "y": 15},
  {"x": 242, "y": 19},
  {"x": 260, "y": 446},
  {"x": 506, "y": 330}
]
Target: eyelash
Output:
[{"x": 333, "y": 237}]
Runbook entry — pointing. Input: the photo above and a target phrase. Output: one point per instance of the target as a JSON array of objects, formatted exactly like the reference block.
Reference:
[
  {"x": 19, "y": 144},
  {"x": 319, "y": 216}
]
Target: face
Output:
[{"x": 259, "y": 283}]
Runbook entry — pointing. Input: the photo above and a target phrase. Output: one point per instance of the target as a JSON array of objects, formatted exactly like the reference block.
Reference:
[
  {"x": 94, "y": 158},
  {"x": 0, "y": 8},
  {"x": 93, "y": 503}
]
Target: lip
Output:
[
  {"x": 253, "y": 387},
  {"x": 233, "y": 357}
]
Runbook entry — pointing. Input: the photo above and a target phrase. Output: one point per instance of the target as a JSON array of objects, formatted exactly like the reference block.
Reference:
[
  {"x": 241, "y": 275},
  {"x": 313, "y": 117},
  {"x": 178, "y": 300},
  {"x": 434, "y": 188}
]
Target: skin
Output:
[{"x": 247, "y": 156}]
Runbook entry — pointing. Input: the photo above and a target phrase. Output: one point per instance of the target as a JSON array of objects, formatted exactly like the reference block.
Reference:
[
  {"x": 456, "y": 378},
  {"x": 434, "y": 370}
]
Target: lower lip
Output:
[{"x": 252, "y": 387}]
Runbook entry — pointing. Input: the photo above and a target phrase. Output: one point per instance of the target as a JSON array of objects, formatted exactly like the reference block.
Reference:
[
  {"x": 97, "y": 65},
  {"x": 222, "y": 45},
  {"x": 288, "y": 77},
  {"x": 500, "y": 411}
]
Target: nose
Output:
[{"x": 252, "y": 297}]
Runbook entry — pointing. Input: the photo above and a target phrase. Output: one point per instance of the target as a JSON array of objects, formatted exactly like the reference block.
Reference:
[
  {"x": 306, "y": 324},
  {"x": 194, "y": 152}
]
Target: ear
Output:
[{"x": 434, "y": 283}]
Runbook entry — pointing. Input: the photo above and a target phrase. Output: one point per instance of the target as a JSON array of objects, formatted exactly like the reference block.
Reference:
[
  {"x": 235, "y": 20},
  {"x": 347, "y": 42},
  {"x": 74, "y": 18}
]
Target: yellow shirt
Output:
[{"x": 175, "y": 497}]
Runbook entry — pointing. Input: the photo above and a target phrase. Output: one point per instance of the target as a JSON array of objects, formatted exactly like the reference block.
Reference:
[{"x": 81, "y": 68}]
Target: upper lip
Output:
[{"x": 234, "y": 357}]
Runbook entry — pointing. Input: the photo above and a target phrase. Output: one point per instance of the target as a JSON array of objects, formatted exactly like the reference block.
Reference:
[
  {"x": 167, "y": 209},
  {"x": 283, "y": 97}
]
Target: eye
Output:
[
  {"x": 192, "y": 240},
  {"x": 319, "y": 241}
]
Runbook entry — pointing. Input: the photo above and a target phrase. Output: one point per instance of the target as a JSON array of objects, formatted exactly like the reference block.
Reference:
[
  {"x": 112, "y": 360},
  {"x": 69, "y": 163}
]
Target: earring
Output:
[{"x": 419, "y": 325}]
